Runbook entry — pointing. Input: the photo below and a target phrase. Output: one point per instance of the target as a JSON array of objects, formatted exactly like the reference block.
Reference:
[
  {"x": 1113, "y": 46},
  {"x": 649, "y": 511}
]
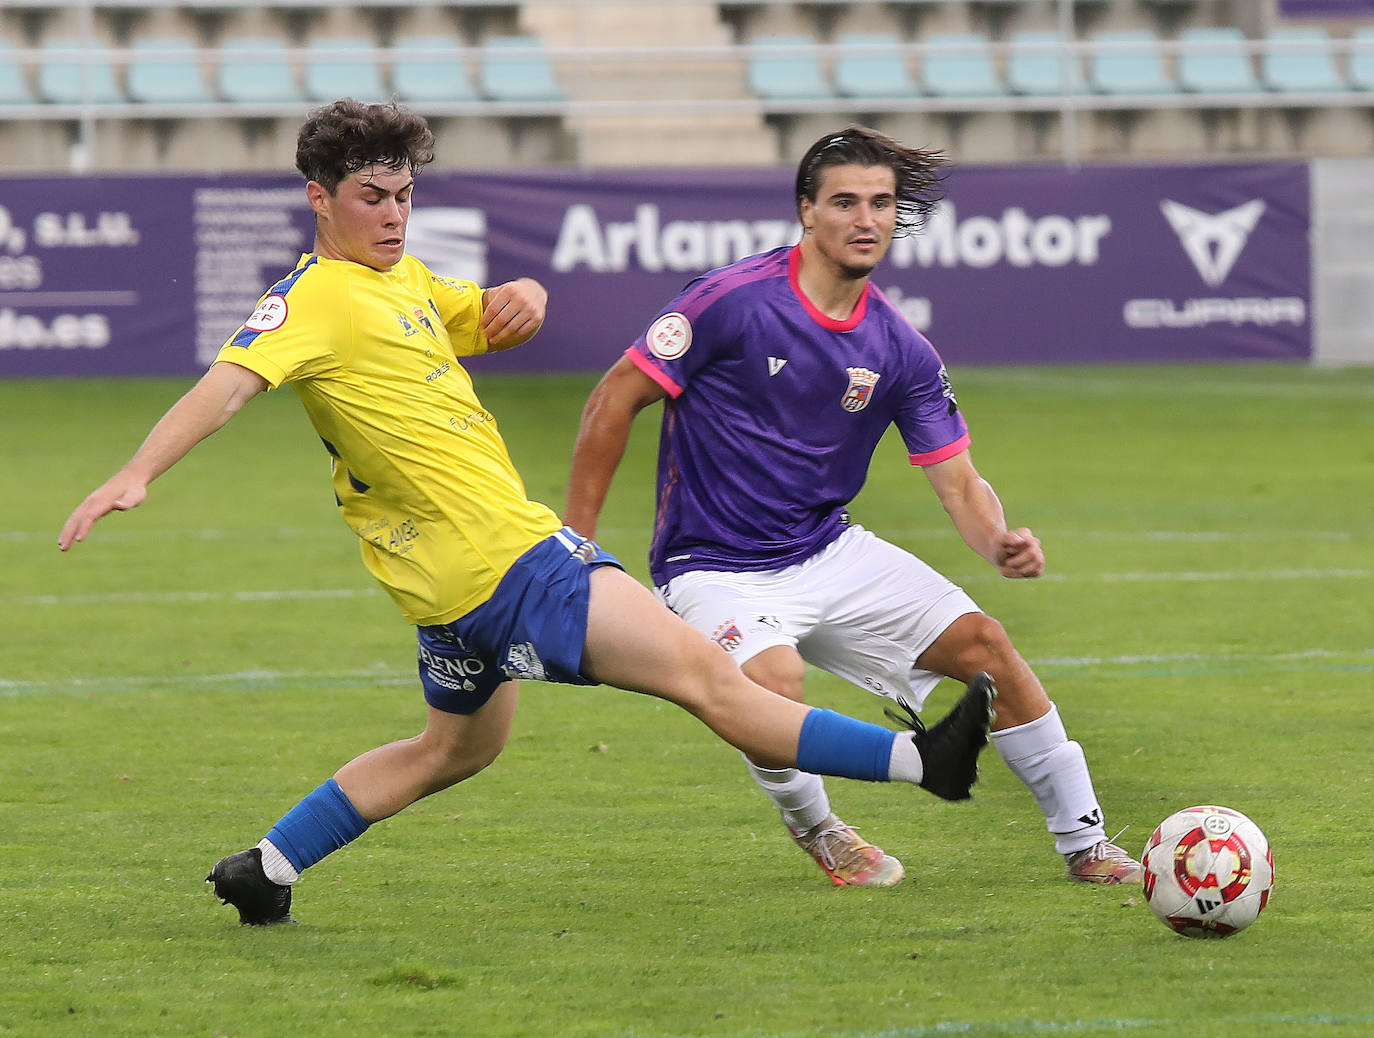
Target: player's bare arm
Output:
[
  {"x": 977, "y": 514},
  {"x": 513, "y": 312},
  {"x": 602, "y": 434},
  {"x": 209, "y": 404}
]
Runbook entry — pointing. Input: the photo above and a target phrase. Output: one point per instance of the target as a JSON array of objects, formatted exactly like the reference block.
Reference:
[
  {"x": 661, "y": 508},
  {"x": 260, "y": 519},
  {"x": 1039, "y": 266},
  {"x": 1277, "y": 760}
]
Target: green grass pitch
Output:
[{"x": 173, "y": 685}]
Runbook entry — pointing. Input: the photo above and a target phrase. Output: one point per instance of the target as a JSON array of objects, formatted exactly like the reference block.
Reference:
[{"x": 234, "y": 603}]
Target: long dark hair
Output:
[
  {"x": 917, "y": 170},
  {"x": 341, "y": 138}
]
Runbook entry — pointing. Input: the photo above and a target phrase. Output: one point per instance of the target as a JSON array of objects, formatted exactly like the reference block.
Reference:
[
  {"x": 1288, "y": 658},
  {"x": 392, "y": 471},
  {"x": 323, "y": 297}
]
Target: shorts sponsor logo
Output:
[
  {"x": 523, "y": 662},
  {"x": 728, "y": 636},
  {"x": 860, "y": 388},
  {"x": 670, "y": 336},
  {"x": 270, "y": 315},
  {"x": 448, "y": 672}
]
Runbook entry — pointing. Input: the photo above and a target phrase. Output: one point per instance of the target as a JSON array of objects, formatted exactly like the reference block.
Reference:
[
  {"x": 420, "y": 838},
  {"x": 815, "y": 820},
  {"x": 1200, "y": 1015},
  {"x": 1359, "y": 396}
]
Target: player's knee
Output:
[
  {"x": 984, "y": 646},
  {"x": 450, "y": 762},
  {"x": 708, "y": 678}
]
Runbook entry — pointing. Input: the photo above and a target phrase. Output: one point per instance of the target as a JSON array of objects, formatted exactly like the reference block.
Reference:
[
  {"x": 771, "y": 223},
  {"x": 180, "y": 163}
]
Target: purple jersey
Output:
[{"x": 774, "y": 412}]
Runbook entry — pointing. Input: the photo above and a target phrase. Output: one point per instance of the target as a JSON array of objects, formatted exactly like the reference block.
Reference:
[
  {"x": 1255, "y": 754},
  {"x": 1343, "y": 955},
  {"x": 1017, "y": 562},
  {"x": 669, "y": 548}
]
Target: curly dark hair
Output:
[
  {"x": 341, "y": 138},
  {"x": 917, "y": 170}
]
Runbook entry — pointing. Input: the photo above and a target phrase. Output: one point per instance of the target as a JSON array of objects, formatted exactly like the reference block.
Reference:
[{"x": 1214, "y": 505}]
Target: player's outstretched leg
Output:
[
  {"x": 949, "y": 751},
  {"x": 240, "y": 881}
]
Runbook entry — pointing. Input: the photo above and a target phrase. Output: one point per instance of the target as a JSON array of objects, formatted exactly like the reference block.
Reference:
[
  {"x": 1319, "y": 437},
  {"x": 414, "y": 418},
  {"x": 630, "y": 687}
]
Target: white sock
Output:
[
  {"x": 275, "y": 864},
  {"x": 1054, "y": 769},
  {"x": 905, "y": 764},
  {"x": 799, "y": 795}
]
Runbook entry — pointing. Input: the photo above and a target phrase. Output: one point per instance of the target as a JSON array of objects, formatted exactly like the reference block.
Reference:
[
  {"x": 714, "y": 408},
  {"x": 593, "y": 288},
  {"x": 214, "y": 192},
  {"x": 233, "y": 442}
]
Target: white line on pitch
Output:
[
  {"x": 925, "y": 533},
  {"x": 237, "y": 679},
  {"x": 295, "y": 594},
  {"x": 159, "y": 597},
  {"x": 386, "y": 675},
  {"x": 1205, "y": 657}
]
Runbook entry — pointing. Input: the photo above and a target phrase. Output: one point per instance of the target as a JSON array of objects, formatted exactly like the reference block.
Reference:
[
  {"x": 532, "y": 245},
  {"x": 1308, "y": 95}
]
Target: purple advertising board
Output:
[
  {"x": 1326, "y": 8},
  {"x": 1026, "y": 265}
]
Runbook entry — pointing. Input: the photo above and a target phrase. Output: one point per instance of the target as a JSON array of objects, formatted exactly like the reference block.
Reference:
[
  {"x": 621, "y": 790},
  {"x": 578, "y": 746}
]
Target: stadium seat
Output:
[
  {"x": 165, "y": 72},
  {"x": 1361, "y": 67},
  {"x": 789, "y": 74},
  {"x": 1303, "y": 63},
  {"x": 872, "y": 73},
  {"x": 67, "y": 78},
  {"x": 1034, "y": 69},
  {"x": 13, "y": 89},
  {"x": 256, "y": 71},
  {"x": 340, "y": 67},
  {"x": 959, "y": 65},
  {"x": 515, "y": 68},
  {"x": 1138, "y": 70},
  {"x": 1214, "y": 61},
  {"x": 420, "y": 73}
]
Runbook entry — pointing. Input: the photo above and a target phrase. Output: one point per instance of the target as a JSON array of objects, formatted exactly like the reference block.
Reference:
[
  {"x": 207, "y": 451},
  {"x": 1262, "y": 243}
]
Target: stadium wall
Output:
[{"x": 1255, "y": 261}]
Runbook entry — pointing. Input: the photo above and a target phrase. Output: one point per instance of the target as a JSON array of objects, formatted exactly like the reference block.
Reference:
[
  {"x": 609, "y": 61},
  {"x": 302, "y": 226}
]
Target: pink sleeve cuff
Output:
[
  {"x": 642, "y": 363},
  {"x": 942, "y": 453}
]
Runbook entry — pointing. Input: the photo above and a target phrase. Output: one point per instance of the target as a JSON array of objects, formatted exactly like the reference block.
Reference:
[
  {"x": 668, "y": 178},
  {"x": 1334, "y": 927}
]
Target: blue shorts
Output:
[{"x": 534, "y": 627}]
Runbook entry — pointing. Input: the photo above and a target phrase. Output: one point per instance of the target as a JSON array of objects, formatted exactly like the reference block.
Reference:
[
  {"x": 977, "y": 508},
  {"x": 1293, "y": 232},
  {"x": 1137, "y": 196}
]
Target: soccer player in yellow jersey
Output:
[{"x": 371, "y": 342}]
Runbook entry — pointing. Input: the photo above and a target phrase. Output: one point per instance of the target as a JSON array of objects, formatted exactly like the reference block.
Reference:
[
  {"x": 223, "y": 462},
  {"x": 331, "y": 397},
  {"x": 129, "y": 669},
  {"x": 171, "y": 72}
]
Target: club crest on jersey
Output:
[
  {"x": 861, "y": 383},
  {"x": 669, "y": 337},
  {"x": 420, "y": 316},
  {"x": 270, "y": 315},
  {"x": 728, "y": 636}
]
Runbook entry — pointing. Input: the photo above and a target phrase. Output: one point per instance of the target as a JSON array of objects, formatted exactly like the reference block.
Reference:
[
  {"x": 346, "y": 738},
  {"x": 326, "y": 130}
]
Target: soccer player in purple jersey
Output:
[
  {"x": 781, "y": 373},
  {"x": 497, "y": 589}
]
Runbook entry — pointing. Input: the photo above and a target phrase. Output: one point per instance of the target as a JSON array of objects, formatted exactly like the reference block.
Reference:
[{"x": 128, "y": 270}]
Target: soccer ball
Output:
[{"x": 1208, "y": 871}]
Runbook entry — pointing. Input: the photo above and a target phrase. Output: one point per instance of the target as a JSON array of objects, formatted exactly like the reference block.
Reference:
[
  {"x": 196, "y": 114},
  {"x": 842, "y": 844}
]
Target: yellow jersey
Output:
[{"x": 420, "y": 471}]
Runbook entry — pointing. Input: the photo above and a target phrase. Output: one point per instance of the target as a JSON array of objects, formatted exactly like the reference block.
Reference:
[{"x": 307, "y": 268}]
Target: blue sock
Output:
[
  {"x": 833, "y": 744},
  {"x": 319, "y": 825}
]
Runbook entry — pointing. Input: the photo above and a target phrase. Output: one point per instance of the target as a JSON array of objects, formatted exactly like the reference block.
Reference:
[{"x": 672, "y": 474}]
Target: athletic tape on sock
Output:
[
  {"x": 833, "y": 744},
  {"x": 319, "y": 825}
]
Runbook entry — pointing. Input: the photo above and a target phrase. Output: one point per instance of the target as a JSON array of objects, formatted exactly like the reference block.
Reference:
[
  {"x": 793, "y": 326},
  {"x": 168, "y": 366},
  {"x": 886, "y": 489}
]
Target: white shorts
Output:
[{"x": 862, "y": 608}]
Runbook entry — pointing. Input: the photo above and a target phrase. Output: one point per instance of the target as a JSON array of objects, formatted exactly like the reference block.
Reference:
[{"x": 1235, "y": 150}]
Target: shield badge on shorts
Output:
[
  {"x": 728, "y": 636},
  {"x": 861, "y": 383}
]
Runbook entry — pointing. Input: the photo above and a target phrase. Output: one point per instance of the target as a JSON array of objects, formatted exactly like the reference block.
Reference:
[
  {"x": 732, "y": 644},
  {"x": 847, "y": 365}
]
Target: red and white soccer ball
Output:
[{"x": 1208, "y": 871}]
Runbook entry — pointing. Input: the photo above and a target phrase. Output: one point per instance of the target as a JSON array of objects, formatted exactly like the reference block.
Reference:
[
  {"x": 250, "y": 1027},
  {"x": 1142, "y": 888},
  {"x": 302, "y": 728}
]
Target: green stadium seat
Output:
[
  {"x": 959, "y": 65},
  {"x": 1034, "y": 69},
  {"x": 69, "y": 78},
  {"x": 341, "y": 67},
  {"x": 515, "y": 68},
  {"x": 13, "y": 89},
  {"x": 256, "y": 71},
  {"x": 1307, "y": 65},
  {"x": 1214, "y": 61},
  {"x": 781, "y": 69},
  {"x": 166, "y": 72},
  {"x": 872, "y": 73},
  {"x": 1138, "y": 70},
  {"x": 1361, "y": 66},
  {"x": 419, "y": 73}
]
